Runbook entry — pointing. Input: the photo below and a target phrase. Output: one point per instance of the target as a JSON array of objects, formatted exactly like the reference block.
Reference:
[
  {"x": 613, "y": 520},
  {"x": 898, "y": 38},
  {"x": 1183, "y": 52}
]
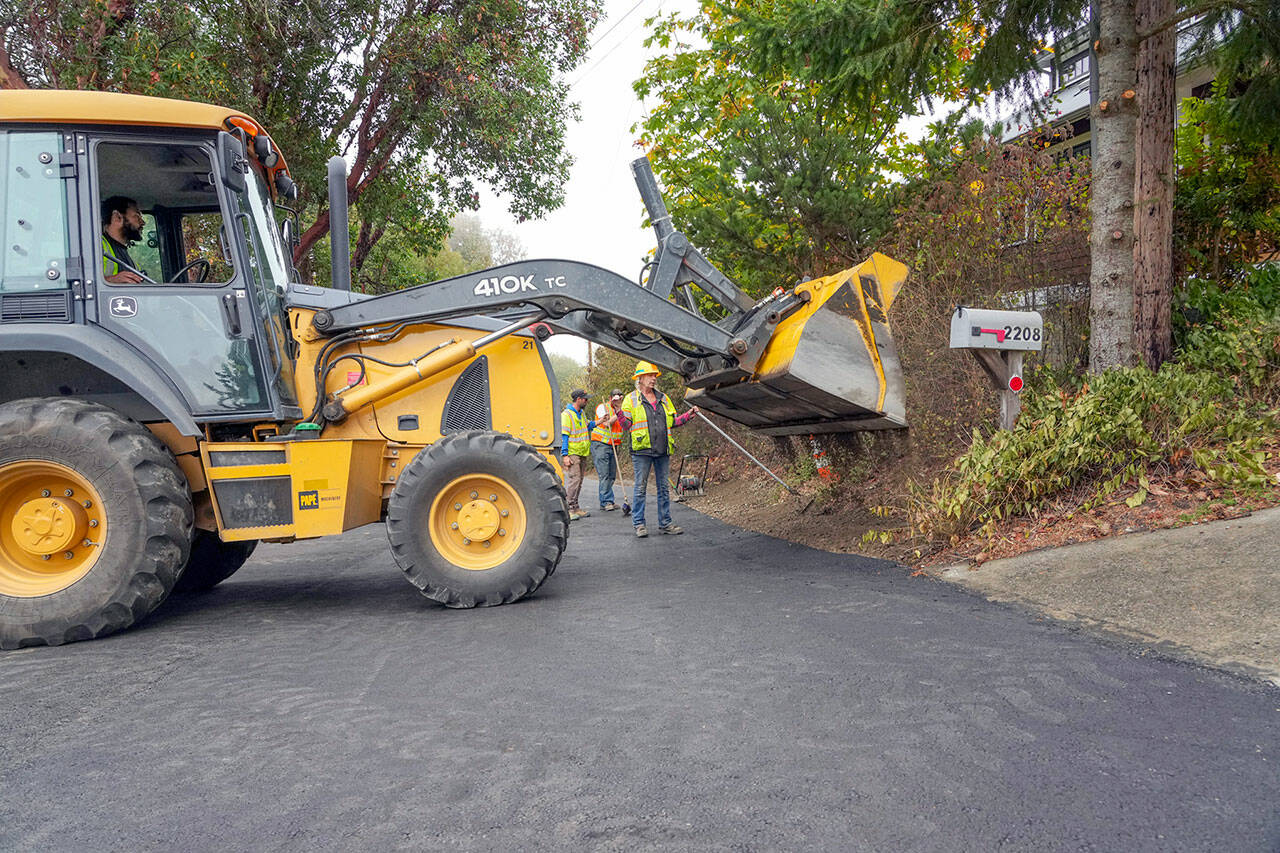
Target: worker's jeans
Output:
[
  {"x": 661, "y": 466},
  {"x": 606, "y": 469},
  {"x": 573, "y": 479}
]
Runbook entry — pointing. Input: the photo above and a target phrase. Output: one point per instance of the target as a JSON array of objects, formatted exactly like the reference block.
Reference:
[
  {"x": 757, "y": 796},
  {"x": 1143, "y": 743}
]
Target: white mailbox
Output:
[
  {"x": 997, "y": 339},
  {"x": 983, "y": 328}
]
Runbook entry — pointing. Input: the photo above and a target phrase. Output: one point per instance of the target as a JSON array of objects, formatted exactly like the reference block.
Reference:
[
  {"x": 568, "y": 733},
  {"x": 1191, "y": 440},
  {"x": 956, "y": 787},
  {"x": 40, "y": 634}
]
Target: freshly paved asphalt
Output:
[{"x": 719, "y": 690}]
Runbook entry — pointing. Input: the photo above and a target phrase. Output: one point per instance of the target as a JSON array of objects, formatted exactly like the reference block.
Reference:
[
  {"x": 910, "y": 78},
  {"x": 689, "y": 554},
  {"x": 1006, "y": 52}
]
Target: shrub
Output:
[
  {"x": 1213, "y": 410},
  {"x": 1227, "y": 201}
]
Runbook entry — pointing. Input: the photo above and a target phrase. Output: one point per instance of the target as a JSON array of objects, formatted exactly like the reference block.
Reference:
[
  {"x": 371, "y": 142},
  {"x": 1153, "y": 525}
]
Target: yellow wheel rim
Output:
[
  {"x": 477, "y": 522},
  {"x": 52, "y": 526}
]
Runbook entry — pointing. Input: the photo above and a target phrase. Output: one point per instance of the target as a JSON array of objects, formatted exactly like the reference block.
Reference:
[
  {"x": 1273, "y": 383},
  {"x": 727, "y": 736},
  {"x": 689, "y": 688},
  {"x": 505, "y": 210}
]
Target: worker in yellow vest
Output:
[
  {"x": 606, "y": 435},
  {"x": 651, "y": 417},
  {"x": 575, "y": 449}
]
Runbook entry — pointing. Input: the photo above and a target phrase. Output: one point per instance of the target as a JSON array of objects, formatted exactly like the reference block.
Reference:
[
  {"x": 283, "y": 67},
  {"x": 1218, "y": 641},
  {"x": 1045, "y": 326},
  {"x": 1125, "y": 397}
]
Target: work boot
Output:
[
  {"x": 609, "y": 507},
  {"x": 672, "y": 529},
  {"x": 575, "y": 514},
  {"x": 641, "y": 531}
]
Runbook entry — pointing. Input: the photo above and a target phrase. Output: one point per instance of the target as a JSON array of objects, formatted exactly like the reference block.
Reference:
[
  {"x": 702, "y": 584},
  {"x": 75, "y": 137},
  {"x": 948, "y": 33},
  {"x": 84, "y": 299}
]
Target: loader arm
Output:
[
  {"x": 574, "y": 297},
  {"x": 815, "y": 357}
]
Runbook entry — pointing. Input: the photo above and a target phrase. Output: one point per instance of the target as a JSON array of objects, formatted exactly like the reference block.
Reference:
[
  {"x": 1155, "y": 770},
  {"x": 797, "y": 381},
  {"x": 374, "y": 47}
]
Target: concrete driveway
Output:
[{"x": 718, "y": 690}]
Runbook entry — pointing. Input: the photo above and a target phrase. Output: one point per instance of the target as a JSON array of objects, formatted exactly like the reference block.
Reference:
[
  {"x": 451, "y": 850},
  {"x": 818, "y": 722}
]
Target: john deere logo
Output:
[
  {"x": 123, "y": 306},
  {"x": 308, "y": 500}
]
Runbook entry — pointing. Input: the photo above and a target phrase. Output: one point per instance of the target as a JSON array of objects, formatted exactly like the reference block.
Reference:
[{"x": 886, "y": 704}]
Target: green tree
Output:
[
  {"x": 423, "y": 99},
  {"x": 1228, "y": 190},
  {"x": 853, "y": 48},
  {"x": 570, "y": 374},
  {"x": 764, "y": 172}
]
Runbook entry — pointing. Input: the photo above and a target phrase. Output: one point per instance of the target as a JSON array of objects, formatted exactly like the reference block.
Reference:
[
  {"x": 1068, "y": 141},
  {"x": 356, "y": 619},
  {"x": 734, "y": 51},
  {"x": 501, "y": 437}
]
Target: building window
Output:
[{"x": 1073, "y": 68}]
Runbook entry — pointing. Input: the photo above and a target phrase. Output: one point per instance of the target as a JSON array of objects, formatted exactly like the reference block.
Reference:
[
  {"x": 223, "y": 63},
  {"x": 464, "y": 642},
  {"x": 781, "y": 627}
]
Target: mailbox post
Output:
[{"x": 998, "y": 340}]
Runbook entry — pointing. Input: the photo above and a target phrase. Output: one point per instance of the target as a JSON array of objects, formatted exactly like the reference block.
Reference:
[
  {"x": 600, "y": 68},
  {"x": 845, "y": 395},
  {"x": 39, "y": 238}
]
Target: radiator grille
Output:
[
  {"x": 468, "y": 404},
  {"x": 35, "y": 307}
]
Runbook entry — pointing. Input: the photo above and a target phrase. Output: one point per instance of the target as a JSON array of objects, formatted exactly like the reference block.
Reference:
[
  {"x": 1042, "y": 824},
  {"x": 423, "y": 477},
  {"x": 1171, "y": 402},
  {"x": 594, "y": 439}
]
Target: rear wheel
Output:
[
  {"x": 212, "y": 561},
  {"x": 478, "y": 519},
  {"x": 95, "y": 522}
]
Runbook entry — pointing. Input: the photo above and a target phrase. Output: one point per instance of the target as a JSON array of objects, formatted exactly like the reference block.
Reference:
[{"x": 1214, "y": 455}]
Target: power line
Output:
[
  {"x": 610, "y": 51},
  {"x": 626, "y": 15}
]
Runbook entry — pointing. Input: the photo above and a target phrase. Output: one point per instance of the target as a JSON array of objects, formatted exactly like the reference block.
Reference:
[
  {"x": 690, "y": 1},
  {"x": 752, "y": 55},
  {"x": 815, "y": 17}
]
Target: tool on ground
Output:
[
  {"x": 691, "y": 483},
  {"x": 747, "y": 453},
  {"x": 242, "y": 406},
  {"x": 617, "y": 463}
]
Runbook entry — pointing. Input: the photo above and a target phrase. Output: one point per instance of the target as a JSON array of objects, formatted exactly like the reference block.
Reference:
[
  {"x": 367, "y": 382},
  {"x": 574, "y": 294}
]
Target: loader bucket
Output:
[{"x": 830, "y": 367}]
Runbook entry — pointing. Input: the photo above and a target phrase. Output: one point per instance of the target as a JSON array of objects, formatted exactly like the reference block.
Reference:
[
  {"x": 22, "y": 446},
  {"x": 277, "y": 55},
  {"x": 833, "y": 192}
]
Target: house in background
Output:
[{"x": 1065, "y": 71}]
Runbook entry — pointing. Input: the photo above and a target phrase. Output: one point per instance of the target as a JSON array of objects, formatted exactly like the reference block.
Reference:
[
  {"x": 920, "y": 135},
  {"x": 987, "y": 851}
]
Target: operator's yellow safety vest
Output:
[
  {"x": 610, "y": 434},
  {"x": 639, "y": 415},
  {"x": 109, "y": 263},
  {"x": 574, "y": 424}
]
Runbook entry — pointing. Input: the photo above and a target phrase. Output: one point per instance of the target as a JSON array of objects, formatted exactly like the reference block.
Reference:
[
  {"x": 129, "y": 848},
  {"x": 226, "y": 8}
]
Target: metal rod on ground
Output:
[
  {"x": 617, "y": 463},
  {"x": 746, "y": 453}
]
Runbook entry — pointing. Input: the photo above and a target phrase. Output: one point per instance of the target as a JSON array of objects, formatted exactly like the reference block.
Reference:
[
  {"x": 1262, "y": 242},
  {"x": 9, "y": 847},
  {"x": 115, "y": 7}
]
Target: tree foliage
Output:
[
  {"x": 771, "y": 178},
  {"x": 920, "y": 51},
  {"x": 1228, "y": 188},
  {"x": 1242, "y": 41},
  {"x": 423, "y": 98}
]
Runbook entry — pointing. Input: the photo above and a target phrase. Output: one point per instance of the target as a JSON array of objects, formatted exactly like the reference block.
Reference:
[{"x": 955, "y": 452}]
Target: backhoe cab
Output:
[{"x": 174, "y": 395}]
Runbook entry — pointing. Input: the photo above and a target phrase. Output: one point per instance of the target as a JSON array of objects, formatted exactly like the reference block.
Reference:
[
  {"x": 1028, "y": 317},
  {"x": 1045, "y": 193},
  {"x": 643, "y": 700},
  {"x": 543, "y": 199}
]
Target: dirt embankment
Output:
[{"x": 864, "y": 517}]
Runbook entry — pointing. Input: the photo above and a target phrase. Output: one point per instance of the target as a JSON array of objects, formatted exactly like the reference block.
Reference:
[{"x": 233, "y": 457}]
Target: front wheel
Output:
[
  {"x": 478, "y": 519},
  {"x": 95, "y": 522}
]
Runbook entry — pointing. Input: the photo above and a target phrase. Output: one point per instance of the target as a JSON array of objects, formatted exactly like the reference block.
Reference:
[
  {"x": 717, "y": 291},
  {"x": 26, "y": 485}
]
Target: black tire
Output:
[
  {"x": 470, "y": 454},
  {"x": 148, "y": 513},
  {"x": 212, "y": 561}
]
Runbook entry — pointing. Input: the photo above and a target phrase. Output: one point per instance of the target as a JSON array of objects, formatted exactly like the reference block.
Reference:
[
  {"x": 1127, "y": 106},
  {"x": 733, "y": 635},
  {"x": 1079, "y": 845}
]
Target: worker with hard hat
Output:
[
  {"x": 651, "y": 417},
  {"x": 575, "y": 449},
  {"x": 606, "y": 435}
]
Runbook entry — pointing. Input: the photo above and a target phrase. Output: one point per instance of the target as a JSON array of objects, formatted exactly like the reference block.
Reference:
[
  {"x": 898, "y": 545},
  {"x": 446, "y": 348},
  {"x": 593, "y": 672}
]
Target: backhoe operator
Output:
[{"x": 122, "y": 225}]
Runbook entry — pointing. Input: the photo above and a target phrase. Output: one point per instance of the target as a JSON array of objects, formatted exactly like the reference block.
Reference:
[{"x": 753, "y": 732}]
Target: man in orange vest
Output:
[{"x": 606, "y": 435}]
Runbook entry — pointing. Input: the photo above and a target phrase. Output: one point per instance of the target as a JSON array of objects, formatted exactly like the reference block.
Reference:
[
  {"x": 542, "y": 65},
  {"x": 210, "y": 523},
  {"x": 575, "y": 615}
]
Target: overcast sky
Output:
[{"x": 600, "y": 221}]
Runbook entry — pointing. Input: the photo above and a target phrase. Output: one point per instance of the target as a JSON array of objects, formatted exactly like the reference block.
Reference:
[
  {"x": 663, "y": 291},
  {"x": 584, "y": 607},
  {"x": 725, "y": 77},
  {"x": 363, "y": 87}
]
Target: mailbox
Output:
[
  {"x": 997, "y": 339},
  {"x": 983, "y": 328}
]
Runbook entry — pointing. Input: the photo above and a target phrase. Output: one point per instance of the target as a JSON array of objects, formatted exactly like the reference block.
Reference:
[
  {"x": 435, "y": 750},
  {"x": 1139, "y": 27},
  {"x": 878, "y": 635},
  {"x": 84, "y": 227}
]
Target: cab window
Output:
[
  {"x": 159, "y": 215},
  {"x": 33, "y": 213}
]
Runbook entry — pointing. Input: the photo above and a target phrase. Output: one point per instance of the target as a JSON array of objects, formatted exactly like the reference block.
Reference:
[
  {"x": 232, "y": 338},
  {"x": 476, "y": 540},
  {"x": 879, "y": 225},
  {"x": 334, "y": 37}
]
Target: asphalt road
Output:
[{"x": 718, "y": 690}]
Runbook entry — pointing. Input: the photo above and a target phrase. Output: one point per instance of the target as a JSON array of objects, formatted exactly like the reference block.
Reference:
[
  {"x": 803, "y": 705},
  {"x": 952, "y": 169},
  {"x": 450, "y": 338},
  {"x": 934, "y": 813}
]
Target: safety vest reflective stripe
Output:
[
  {"x": 109, "y": 264},
  {"x": 574, "y": 424},
  {"x": 607, "y": 434},
  {"x": 639, "y": 415}
]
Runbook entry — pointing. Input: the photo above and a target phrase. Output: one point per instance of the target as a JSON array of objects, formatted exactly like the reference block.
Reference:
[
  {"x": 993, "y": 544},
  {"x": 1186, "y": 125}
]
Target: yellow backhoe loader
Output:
[{"x": 172, "y": 394}]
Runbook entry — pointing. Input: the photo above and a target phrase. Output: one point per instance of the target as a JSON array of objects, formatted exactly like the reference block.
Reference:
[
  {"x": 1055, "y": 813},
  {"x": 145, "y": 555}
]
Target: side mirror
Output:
[
  {"x": 288, "y": 234},
  {"x": 233, "y": 165}
]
